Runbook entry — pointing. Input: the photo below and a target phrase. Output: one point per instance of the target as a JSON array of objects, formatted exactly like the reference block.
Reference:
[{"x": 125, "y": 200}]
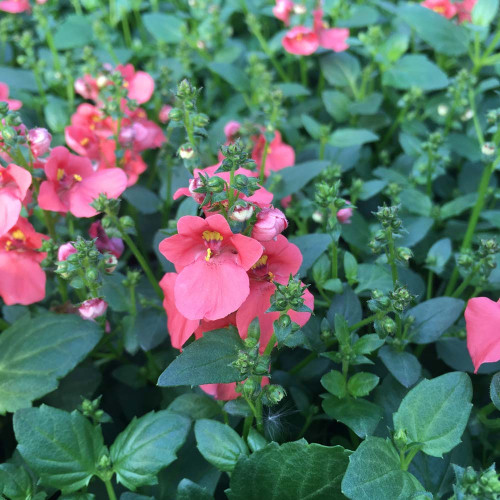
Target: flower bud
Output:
[
  {"x": 231, "y": 129},
  {"x": 196, "y": 184},
  {"x": 101, "y": 81},
  {"x": 443, "y": 110},
  {"x": 317, "y": 216},
  {"x": 111, "y": 263},
  {"x": 270, "y": 223},
  {"x": 39, "y": 141},
  {"x": 241, "y": 214},
  {"x": 216, "y": 184},
  {"x": 175, "y": 114},
  {"x": 404, "y": 253},
  {"x": 65, "y": 251},
  {"x": 186, "y": 151},
  {"x": 254, "y": 329},
  {"x": 164, "y": 113},
  {"x": 488, "y": 149},
  {"x": 272, "y": 394},
  {"x": 251, "y": 388},
  {"x": 344, "y": 215},
  {"x": 92, "y": 308},
  {"x": 200, "y": 120}
]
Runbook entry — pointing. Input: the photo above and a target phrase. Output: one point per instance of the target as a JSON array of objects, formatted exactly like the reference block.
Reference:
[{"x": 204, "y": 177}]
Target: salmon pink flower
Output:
[
  {"x": 279, "y": 154},
  {"x": 92, "y": 308},
  {"x": 301, "y": 41},
  {"x": 270, "y": 222},
  {"x": 443, "y": 7},
  {"x": 22, "y": 279},
  {"x": 226, "y": 392},
  {"x": 87, "y": 87},
  {"x": 39, "y": 141},
  {"x": 140, "y": 85},
  {"x": 329, "y": 38},
  {"x": 231, "y": 129},
  {"x": 280, "y": 258},
  {"x": 14, "y": 6},
  {"x": 72, "y": 184},
  {"x": 65, "y": 250},
  {"x": 464, "y": 10},
  {"x": 104, "y": 243},
  {"x": 14, "y": 184},
  {"x": 164, "y": 113},
  {"x": 344, "y": 215},
  {"x": 212, "y": 264},
  {"x": 282, "y": 10},
  {"x": 13, "y": 104},
  {"x": 482, "y": 318}
]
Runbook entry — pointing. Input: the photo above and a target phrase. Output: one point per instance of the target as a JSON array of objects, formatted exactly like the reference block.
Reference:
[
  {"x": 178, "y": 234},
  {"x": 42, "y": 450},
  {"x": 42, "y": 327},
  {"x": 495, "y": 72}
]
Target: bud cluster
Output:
[
  {"x": 289, "y": 296},
  {"x": 481, "y": 262},
  {"x": 411, "y": 103},
  {"x": 392, "y": 227},
  {"x": 472, "y": 485}
]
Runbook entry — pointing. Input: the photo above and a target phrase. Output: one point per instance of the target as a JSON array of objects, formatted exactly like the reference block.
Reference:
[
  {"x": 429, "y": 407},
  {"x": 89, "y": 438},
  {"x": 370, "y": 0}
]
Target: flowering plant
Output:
[{"x": 249, "y": 250}]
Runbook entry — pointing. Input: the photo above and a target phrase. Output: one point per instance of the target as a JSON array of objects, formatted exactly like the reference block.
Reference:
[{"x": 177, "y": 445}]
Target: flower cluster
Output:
[
  {"x": 449, "y": 9},
  {"x": 303, "y": 40}
]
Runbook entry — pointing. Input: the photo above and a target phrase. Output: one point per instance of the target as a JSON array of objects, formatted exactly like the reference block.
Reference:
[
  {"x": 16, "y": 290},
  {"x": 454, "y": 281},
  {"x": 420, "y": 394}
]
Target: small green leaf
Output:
[
  {"x": 255, "y": 440},
  {"x": 311, "y": 246},
  {"x": 367, "y": 344},
  {"x": 164, "y": 27},
  {"x": 188, "y": 490},
  {"x": 74, "y": 31},
  {"x": 15, "y": 482},
  {"x": 362, "y": 383},
  {"x": 143, "y": 199},
  {"x": 495, "y": 390},
  {"x": 194, "y": 406},
  {"x": 221, "y": 445},
  {"x": 350, "y": 267},
  {"x": 291, "y": 471},
  {"x": 438, "y": 255},
  {"x": 348, "y": 305},
  {"x": 337, "y": 104},
  {"x": 341, "y": 69},
  {"x": 403, "y": 366},
  {"x": 484, "y": 12},
  {"x": 147, "y": 445},
  {"x": 314, "y": 128},
  {"x": 346, "y": 137},
  {"x": 435, "y": 412},
  {"x": 334, "y": 383},
  {"x": 206, "y": 361},
  {"x": 62, "y": 448},
  {"x": 374, "y": 473}
]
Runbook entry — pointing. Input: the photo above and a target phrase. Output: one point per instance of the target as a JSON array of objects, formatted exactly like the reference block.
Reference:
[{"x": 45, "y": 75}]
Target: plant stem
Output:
[
  {"x": 303, "y": 71},
  {"x": 247, "y": 424},
  {"x": 335, "y": 265},
  {"x": 463, "y": 286},
  {"x": 392, "y": 256},
  {"x": 430, "y": 280},
  {"x": 263, "y": 162},
  {"x": 110, "y": 490}
]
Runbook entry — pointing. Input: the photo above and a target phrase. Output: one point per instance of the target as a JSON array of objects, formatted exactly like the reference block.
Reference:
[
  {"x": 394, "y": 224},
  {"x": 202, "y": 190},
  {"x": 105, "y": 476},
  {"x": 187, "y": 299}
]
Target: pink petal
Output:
[
  {"x": 482, "y": 317},
  {"x": 249, "y": 250},
  {"x": 21, "y": 176},
  {"x": 210, "y": 290},
  {"x": 10, "y": 209},
  {"x": 48, "y": 198},
  {"x": 182, "y": 250},
  {"x": 284, "y": 258},
  {"x": 334, "y": 39},
  {"x": 141, "y": 87}
]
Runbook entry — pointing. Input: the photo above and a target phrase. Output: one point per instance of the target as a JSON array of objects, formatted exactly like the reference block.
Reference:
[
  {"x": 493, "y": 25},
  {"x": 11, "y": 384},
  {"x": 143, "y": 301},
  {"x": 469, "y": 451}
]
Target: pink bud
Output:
[
  {"x": 104, "y": 243},
  {"x": 92, "y": 308},
  {"x": 41, "y": 2},
  {"x": 195, "y": 184},
  {"x": 270, "y": 223},
  {"x": 241, "y": 214},
  {"x": 39, "y": 141},
  {"x": 344, "y": 215},
  {"x": 231, "y": 129},
  {"x": 164, "y": 112},
  {"x": 65, "y": 251}
]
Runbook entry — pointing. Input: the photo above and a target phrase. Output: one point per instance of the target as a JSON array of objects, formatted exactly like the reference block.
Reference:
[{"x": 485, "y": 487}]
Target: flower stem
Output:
[
  {"x": 110, "y": 490},
  {"x": 335, "y": 265},
  {"x": 263, "y": 162},
  {"x": 392, "y": 256}
]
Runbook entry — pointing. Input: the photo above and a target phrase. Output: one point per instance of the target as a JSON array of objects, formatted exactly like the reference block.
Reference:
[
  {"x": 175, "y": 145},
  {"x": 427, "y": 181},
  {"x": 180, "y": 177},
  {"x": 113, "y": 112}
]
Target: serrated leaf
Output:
[
  {"x": 36, "y": 353},
  {"x": 346, "y": 137},
  {"x": 334, "y": 383},
  {"x": 362, "y": 383},
  {"x": 62, "y": 448},
  {"x": 146, "y": 446},
  {"x": 403, "y": 366}
]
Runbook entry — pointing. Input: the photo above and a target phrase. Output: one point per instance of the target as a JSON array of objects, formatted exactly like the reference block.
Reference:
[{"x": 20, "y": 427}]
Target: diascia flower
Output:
[
  {"x": 14, "y": 184},
  {"x": 13, "y": 104},
  {"x": 279, "y": 154},
  {"x": 282, "y": 10},
  {"x": 14, "y": 6},
  {"x": 464, "y": 10},
  {"x": 212, "y": 263},
  {"x": 22, "y": 279},
  {"x": 279, "y": 259},
  {"x": 72, "y": 184},
  {"x": 330, "y": 38},
  {"x": 270, "y": 222},
  {"x": 443, "y": 7},
  {"x": 301, "y": 41},
  {"x": 104, "y": 243},
  {"x": 482, "y": 317}
]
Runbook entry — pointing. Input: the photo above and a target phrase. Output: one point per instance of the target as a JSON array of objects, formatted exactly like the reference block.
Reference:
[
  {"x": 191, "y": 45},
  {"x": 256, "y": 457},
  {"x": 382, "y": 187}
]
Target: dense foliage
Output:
[{"x": 249, "y": 249}]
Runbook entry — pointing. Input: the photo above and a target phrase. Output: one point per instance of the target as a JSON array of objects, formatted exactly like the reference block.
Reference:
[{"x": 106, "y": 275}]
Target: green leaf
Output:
[
  {"x": 367, "y": 344},
  {"x": 416, "y": 202},
  {"x": 458, "y": 205},
  {"x": 15, "y": 482},
  {"x": 373, "y": 276},
  {"x": 62, "y": 448},
  {"x": 415, "y": 71},
  {"x": 358, "y": 414},
  {"x": 435, "y": 412},
  {"x": 195, "y": 406},
  {"x": 147, "y": 445},
  {"x": 255, "y": 440},
  {"x": 374, "y": 473},
  {"x": 348, "y": 305},
  {"x": 56, "y": 113},
  {"x": 346, "y": 137},
  {"x": 403, "y": 366},
  {"x": 360, "y": 15},
  {"x": 337, "y": 104},
  {"x": 371, "y": 188},
  {"x": 188, "y": 490},
  {"x": 115, "y": 294},
  {"x": 416, "y": 230},
  {"x": 433, "y": 317},
  {"x": 495, "y": 390},
  {"x": 206, "y": 361},
  {"x": 289, "y": 472},
  {"x": 334, "y": 383},
  {"x": 18, "y": 79},
  {"x": 143, "y": 199},
  {"x": 292, "y": 89},
  {"x": 438, "y": 255},
  {"x": 341, "y": 69},
  {"x": 74, "y": 31},
  {"x": 151, "y": 329},
  {"x": 35, "y": 354},
  {"x": 221, "y": 445},
  {"x": 350, "y": 267},
  {"x": 484, "y": 12},
  {"x": 368, "y": 106},
  {"x": 164, "y": 27},
  {"x": 362, "y": 383},
  {"x": 314, "y": 128},
  {"x": 232, "y": 74},
  {"x": 311, "y": 247},
  {"x": 441, "y": 34}
]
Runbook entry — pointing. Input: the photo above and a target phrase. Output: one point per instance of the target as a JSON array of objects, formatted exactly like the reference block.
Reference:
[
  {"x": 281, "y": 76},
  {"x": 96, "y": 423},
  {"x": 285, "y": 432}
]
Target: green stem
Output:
[
  {"x": 126, "y": 30},
  {"x": 430, "y": 280},
  {"x": 463, "y": 286},
  {"x": 263, "y": 162},
  {"x": 303, "y": 71},
  {"x": 406, "y": 460},
  {"x": 270, "y": 345},
  {"x": 110, "y": 490},
  {"x": 142, "y": 261},
  {"x": 52, "y": 46},
  {"x": 474, "y": 218},
  {"x": 247, "y": 424},
  {"x": 392, "y": 256},
  {"x": 49, "y": 222},
  {"x": 335, "y": 265}
]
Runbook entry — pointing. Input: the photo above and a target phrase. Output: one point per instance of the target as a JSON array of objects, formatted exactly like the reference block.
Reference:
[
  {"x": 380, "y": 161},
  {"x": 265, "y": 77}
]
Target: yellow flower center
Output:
[
  {"x": 60, "y": 174},
  {"x": 209, "y": 254},
  {"x": 261, "y": 262},
  {"x": 18, "y": 235},
  {"x": 84, "y": 141},
  {"x": 8, "y": 244},
  {"x": 439, "y": 9},
  {"x": 212, "y": 236},
  {"x": 78, "y": 178}
]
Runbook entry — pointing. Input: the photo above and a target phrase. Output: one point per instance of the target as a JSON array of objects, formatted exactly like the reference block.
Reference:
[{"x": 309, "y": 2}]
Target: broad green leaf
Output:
[
  {"x": 313, "y": 128},
  {"x": 292, "y": 89},
  {"x": 495, "y": 390},
  {"x": 415, "y": 70},
  {"x": 367, "y": 344},
  {"x": 36, "y": 353},
  {"x": 337, "y": 104},
  {"x": 62, "y": 448},
  {"x": 374, "y": 473},
  {"x": 195, "y": 406},
  {"x": 150, "y": 328},
  {"x": 145, "y": 200},
  {"x": 368, "y": 106},
  {"x": 189, "y": 490},
  {"x": 15, "y": 482},
  {"x": 164, "y": 27},
  {"x": 18, "y": 79},
  {"x": 362, "y": 383},
  {"x": 311, "y": 246},
  {"x": 360, "y": 15},
  {"x": 116, "y": 295},
  {"x": 232, "y": 74},
  {"x": 348, "y": 305},
  {"x": 395, "y": 46},
  {"x": 221, "y": 445},
  {"x": 438, "y": 255},
  {"x": 74, "y": 31},
  {"x": 433, "y": 317},
  {"x": 458, "y": 205},
  {"x": 484, "y": 12},
  {"x": 341, "y": 69},
  {"x": 373, "y": 276},
  {"x": 346, "y": 137},
  {"x": 441, "y": 34},
  {"x": 416, "y": 230},
  {"x": 289, "y": 472},
  {"x": 416, "y": 202},
  {"x": 255, "y": 440},
  {"x": 147, "y": 445},
  {"x": 358, "y": 414},
  {"x": 334, "y": 383},
  {"x": 371, "y": 188},
  {"x": 403, "y": 366},
  {"x": 206, "y": 361},
  {"x": 435, "y": 412},
  {"x": 56, "y": 113}
]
